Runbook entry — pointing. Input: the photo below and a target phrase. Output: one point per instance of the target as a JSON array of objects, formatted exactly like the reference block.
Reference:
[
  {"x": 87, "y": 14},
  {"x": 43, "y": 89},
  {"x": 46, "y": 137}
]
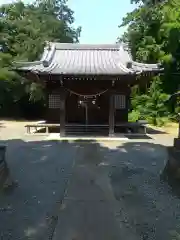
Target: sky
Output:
[{"x": 99, "y": 19}]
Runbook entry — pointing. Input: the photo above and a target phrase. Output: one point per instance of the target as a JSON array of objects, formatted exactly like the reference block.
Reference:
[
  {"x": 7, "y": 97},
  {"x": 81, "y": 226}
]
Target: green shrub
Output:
[
  {"x": 151, "y": 106},
  {"x": 133, "y": 116}
]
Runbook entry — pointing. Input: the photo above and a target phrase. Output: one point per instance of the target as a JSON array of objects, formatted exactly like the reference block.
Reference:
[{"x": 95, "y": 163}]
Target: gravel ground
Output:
[
  {"x": 41, "y": 170},
  {"x": 120, "y": 183},
  {"x": 114, "y": 191}
]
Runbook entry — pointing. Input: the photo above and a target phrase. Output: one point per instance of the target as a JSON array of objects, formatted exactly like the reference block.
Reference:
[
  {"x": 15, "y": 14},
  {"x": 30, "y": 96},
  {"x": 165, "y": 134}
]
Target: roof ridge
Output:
[{"x": 80, "y": 46}]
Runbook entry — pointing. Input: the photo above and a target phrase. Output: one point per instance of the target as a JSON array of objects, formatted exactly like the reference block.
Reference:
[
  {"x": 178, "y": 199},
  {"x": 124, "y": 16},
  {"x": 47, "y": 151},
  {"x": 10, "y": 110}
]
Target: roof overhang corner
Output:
[{"x": 49, "y": 56}]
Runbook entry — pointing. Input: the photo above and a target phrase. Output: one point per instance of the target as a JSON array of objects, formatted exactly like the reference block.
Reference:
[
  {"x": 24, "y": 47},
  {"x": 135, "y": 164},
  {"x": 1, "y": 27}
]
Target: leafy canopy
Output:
[
  {"x": 24, "y": 29},
  {"x": 153, "y": 35}
]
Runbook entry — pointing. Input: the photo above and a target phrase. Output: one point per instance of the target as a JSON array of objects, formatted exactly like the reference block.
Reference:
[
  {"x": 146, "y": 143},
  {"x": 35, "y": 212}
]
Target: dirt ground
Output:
[
  {"x": 169, "y": 128},
  {"x": 84, "y": 190}
]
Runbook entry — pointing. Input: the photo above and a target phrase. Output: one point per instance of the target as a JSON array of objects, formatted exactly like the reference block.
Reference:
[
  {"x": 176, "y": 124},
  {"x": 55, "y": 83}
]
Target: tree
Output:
[
  {"x": 24, "y": 29},
  {"x": 153, "y": 35}
]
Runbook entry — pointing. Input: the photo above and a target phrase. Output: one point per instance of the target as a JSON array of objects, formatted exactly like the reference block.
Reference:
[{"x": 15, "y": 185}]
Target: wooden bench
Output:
[{"x": 37, "y": 126}]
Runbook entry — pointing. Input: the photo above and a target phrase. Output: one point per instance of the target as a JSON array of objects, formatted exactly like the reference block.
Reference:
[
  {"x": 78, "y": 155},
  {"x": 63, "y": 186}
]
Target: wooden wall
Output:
[
  {"x": 121, "y": 115},
  {"x": 98, "y": 114}
]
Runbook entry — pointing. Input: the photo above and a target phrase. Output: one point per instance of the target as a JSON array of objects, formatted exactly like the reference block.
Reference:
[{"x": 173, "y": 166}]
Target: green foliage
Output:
[
  {"x": 153, "y": 35},
  {"x": 151, "y": 106},
  {"x": 134, "y": 115},
  {"x": 24, "y": 29}
]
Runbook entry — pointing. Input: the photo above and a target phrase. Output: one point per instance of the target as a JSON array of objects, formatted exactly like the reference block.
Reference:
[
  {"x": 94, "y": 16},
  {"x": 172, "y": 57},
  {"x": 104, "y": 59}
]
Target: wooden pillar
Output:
[
  {"x": 111, "y": 114},
  {"x": 179, "y": 126},
  {"x": 128, "y": 102},
  {"x": 62, "y": 112}
]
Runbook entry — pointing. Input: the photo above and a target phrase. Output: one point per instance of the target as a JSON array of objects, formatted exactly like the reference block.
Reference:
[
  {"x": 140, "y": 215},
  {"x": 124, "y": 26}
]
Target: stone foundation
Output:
[
  {"x": 177, "y": 143},
  {"x": 173, "y": 164},
  {"x": 5, "y": 180},
  {"x": 3, "y": 166}
]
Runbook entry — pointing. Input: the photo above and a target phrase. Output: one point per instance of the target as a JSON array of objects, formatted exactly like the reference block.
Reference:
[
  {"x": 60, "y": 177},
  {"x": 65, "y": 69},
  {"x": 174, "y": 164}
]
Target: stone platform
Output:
[
  {"x": 173, "y": 164},
  {"x": 5, "y": 179},
  {"x": 3, "y": 166},
  {"x": 177, "y": 143}
]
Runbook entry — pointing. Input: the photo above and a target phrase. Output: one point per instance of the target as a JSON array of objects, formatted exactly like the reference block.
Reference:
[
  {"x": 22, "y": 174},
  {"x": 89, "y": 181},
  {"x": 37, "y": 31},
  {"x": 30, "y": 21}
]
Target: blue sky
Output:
[{"x": 99, "y": 19}]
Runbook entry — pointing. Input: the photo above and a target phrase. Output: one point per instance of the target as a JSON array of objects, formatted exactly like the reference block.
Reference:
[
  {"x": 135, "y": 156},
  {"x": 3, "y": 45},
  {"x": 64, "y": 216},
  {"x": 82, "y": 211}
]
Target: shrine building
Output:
[{"x": 88, "y": 86}]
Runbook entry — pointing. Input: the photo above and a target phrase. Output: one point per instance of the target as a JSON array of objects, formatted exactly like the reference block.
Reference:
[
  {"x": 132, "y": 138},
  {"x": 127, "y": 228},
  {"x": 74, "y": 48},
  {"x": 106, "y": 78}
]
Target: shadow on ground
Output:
[
  {"x": 136, "y": 136},
  {"x": 143, "y": 205},
  {"x": 155, "y": 131},
  {"x": 2, "y": 125}
]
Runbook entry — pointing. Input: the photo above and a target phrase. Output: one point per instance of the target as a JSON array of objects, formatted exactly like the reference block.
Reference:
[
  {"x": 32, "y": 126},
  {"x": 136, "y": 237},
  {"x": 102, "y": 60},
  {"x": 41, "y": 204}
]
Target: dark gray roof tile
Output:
[{"x": 71, "y": 58}]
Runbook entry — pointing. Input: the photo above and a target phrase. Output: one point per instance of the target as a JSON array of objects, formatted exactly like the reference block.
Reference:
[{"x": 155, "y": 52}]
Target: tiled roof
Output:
[{"x": 88, "y": 59}]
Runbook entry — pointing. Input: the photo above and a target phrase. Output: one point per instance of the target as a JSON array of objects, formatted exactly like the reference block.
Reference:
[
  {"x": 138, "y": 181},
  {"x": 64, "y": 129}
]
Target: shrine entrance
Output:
[{"x": 87, "y": 109}]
